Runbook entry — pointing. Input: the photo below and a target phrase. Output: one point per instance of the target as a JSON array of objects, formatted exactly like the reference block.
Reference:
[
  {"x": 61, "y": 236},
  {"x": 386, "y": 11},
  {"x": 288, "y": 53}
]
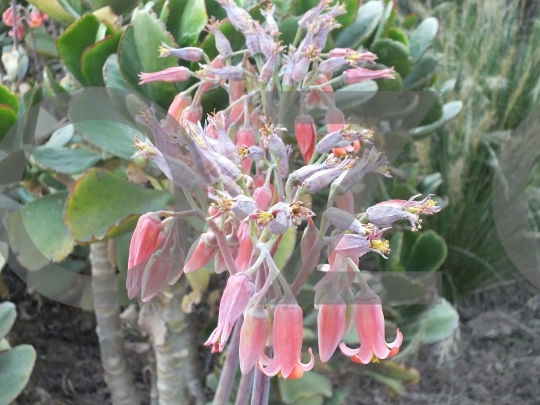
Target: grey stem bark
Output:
[
  {"x": 178, "y": 375},
  {"x": 109, "y": 329}
]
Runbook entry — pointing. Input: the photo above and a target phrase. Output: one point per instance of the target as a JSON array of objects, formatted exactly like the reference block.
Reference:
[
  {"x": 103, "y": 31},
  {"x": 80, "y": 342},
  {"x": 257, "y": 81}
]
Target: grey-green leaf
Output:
[
  {"x": 421, "y": 73},
  {"x": 7, "y": 317},
  {"x": 450, "y": 111},
  {"x": 423, "y": 37},
  {"x": 15, "y": 368},
  {"x": 441, "y": 322},
  {"x": 64, "y": 160}
]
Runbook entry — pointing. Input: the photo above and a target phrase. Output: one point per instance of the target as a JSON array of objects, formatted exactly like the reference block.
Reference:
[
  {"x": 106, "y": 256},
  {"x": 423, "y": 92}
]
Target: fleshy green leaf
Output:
[
  {"x": 15, "y": 369},
  {"x": 7, "y": 98},
  {"x": 119, "y": 6},
  {"x": 450, "y": 111},
  {"x": 393, "y": 53},
  {"x": 109, "y": 136},
  {"x": 421, "y": 73},
  {"x": 7, "y": 317},
  {"x": 363, "y": 26},
  {"x": 61, "y": 137},
  {"x": 423, "y": 37},
  {"x": 55, "y": 10},
  {"x": 186, "y": 20},
  {"x": 428, "y": 253},
  {"x": 8, "y": 118},
  {"x": 101, "y": 204},
  {"x": 111, "y": 74},
  {"x": 44, "y": 223},
  {"x": 45, "y": 44},
  {"x": 55, "y": 279},
  {"x": 384, "y": 21},
  {"x": 400, "y": 289},
  {"x": 64, "y": 160},
  {"x": 138, "y": 52},
  {"x": 441, "y": 322},
  {"x": 95, "y": 56},
  {"x": 74, "y": 40},
  {"x": 311, "y": 385}
]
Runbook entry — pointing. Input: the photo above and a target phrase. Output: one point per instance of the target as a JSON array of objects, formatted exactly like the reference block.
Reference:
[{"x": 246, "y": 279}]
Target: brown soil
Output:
[{"x": 495, "y": 360}]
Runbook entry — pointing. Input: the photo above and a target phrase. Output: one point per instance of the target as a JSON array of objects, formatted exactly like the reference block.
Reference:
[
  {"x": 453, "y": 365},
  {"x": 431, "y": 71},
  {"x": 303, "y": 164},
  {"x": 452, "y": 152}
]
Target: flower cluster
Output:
[
  {"x": 16, "y": 16},
  {"x": 236, "y": 170}
]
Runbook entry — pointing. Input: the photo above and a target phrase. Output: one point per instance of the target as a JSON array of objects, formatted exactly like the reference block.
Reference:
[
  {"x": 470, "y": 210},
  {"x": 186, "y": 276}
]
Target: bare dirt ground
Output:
[{"x": 495, "y": 359}]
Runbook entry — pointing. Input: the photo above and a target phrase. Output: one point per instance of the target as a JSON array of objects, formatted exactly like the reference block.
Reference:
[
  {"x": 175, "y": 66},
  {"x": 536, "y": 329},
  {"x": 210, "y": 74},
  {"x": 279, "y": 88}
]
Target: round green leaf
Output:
[
  {"x": 398, "y": 35},
  {"x": 311, "y": 385},
  {"x": 393, "y": 53},
  {"x": 428, "y": 253},
  {"x": 138, "y": 52},
  {"x": 450, "y": 111},
  {"x": 423, "y": 37},
  {"x": 101, "y": 204},
  {"x": 15, "y": 368},
  {"x": 384, "y": 20},
  {"x": 74, "y": 40},
  {"x": 61, "y": 137},
  {"x": 7, "y": 317},
  {"x": 363, "y": 26},
  {"x": 193, "y": 20},
  {"x": 402, "y": 290},
  {"x": 43, "y": 222},
  {"x": 109, "y": 136},
  {"x": 8, "y": 118},
  {"x": 441, "y": 322},
  {"x": 64, "y": 160},
  {"x": 95, "y": 56},
  {"x": 53, "y": 280},
  {"x": 45, "y": 44}
]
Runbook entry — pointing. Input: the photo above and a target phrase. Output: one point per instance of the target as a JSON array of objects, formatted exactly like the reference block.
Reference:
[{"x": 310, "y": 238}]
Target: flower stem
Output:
[
  {"x": 230, "y": 366},
  {"x": 225, "y": 249},
  {"x": 244, "y": 389},
  {"x": 261, "y": 388},
  {"x": 15, "y": 24}
]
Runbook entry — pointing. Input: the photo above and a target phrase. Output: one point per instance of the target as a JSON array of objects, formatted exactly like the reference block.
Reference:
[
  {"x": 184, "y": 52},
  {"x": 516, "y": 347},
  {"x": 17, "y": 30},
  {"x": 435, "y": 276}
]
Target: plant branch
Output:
[{"x": 230, "y": 366}]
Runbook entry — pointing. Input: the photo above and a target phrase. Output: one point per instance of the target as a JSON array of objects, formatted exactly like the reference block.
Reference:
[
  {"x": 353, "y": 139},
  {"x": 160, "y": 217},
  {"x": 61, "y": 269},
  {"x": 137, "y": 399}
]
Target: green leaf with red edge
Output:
[
  {"x": 102, "y": 204},
  {"x": 8, "y": 98},
  {"x": 73, "y": 42},
  {"x": 119, "y": 6},
  {"x": 138, "y": 52},
  {"x": 186, "y": 20},
  {"x": 8, "y": 118},
  {"x": 54, "y": 9},
  {"x": 94, "y": 57}
]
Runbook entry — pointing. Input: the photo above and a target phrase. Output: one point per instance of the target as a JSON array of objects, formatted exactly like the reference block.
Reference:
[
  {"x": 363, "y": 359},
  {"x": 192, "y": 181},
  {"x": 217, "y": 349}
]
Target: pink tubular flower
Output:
[
  {"x": 354, "y": 246},
  {"x": 200, "y": 255},
  {"x": 171, "y": 75},
  {"x": 245, "y": 137},
  {"x": 146, "y": 239},
  {"x": 360, "y": 75},
  {"x": 322, "y": 98},
  {"x": 177, "y": 107},
  {"x": 244, "y": 254},
  {"x": 36, "y": 17},
  {"x": 253, "y": 337},
  {"x": 387, "y": 212},
  {"x": 20, "y": 30},
  {"x": 306, "y": 135},
  {"x": 330, "y": 324},
  {"x": 190, "y": 53},
  {"x": 369, "y": 320},
  {"x": 287, "y": 335},
  {"x": 346, "y": 202},
  {"x": 192, "y": 113},
  {"x": 235, "y": 298}
]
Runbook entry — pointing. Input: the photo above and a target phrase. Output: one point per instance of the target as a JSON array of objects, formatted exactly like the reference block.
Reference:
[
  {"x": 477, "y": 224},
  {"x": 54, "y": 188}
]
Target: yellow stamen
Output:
[{"x": 381, "y": 245}]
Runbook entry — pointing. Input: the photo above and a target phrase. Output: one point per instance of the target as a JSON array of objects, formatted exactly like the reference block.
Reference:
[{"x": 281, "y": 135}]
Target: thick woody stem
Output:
[
  {"x": 109, "y": 330},
  {"x": 261, "y": 388},
  {"x": 177, "y": 363},
  {"x": 244, "y": 389},
  {"x": 226, "y": 381}
]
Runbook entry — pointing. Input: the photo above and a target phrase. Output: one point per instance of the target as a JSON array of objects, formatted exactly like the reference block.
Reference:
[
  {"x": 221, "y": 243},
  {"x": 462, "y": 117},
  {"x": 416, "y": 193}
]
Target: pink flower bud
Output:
[
  {"x": 263, "y": 196},
  {"x": 245, "y": 137},
  {"x": 36, "y": 17},
  {"x": 192, "y": 113},
  {"x": 243, "y": 206},
  {"x": 145, "y": 240},
  {"x": 369, "y": 321},
  {"x": 360, "y": 75},
  {"x": 245, "y": 251},
  {"x": 309, "y": 238},
  {"x": 8, "y": 17},
  {"x": 235, "y": 298},
  {"x": 306, "y": 135},
  {"x": 190, "y": 53},
  {"x": 253, "y": 337},
  {"x": 20, "y": 29},
  {"x": 335, "y": 120},
  {"x": 199, "y": 255},
  {"x": 177, "y": 107},
  {"x": 344, "y": 221},
  {"x": 223, "y": 45},
  {"x": 171, "y": 75}
]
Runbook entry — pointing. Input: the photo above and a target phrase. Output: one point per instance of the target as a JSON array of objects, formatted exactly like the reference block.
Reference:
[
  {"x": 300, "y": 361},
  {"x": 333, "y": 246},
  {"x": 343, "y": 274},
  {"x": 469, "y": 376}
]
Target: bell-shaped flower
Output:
[
  {"x": 331, "y": 323},
  {"x": 309, "y": 238},
  {"x": 263, "y": 196},
  {"x": 354, "y": 246},
  {"x": 235, "y": 298},
  {"x": 287, "y": 336},
  {"x": 146, "y": 238},
  {"x": 8, "y": 17},
  {"x": 192, "y": 113},
  {"x": 245, "y": 137},
  {"x": 171, "y": 75},
  {"x": 369, "y": 321},
  {"x": 306, "y": 135},
  {"x": 387, "y": 212},
  {"x": 253, "y": 337},
  {"x": 199, "y": 254},
  {"x": 36, "y": 17}
]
